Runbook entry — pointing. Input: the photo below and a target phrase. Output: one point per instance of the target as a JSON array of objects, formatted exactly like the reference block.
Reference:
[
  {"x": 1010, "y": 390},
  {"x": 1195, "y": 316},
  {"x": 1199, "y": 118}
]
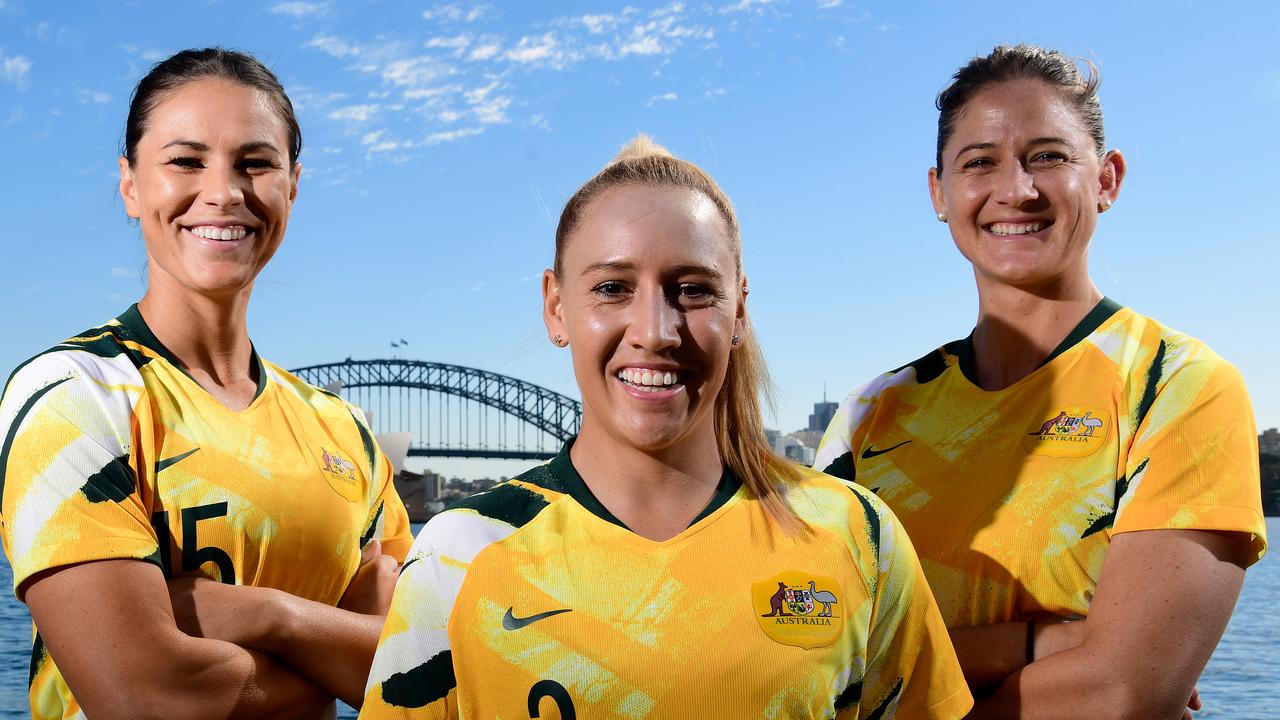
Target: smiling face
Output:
[
  {"x": 1022, "y": 185},
  {"x": 649, "y": 300},
  {"x": 211, "y": 187}
]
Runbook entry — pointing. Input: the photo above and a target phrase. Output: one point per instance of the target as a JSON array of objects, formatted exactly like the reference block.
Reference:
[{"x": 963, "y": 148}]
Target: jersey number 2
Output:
[
  {"x": 555, "y": 691},
  {"x": 193, "y": 556}
]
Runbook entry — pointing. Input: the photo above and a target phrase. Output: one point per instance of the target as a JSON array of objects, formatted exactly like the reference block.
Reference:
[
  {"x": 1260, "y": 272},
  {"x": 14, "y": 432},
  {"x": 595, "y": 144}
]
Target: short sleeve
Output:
[
  {"x": 1194, "y": 460},
  {"x": 912, "y": 671},
  {"x": 72, "y": 490},
  {"x": 388, "y": 521},
  {"x": 412, "y": 675},
  {"x": 844, "y": 433}
]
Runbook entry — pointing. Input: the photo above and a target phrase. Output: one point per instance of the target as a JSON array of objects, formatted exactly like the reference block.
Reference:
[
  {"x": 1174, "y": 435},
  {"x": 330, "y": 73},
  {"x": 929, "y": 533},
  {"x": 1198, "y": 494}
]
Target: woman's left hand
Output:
[
  {"x": 1195, "y": 703},
  {"x": 375, "y": 580}
]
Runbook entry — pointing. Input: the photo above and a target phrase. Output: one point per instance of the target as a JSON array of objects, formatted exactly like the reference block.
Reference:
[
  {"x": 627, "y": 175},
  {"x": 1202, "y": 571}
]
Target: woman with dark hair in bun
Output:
[
  {"x": 196, "y": 532},
  {"x": 666, "y": 564},
  {"x": 1080, "y": 480}
]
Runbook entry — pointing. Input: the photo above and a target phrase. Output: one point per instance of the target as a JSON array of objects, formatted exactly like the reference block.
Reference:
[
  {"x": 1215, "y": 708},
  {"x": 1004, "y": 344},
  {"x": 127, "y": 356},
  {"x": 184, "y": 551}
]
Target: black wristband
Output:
[{"x": 1031, "y": 641}]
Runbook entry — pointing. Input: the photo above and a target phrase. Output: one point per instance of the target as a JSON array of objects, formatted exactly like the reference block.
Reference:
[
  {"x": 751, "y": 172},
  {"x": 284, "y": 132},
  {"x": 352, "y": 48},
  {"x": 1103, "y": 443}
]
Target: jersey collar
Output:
[
  {"x": 571, "y": 483},
  {"x": 963, "y": 349},
  {"x": 136, "y": 328}
]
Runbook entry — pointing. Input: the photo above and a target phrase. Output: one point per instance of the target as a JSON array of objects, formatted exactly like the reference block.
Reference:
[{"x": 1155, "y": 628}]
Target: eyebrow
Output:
[
  {"x": 1046, "y": 140},
  {"x": 973, "y": 146},
  {"x": 1052, "y": 140},
  {"x": 245, "y": 148},
  {"x": 623, "y": 266},
  {"x": 616, "y": 265}
]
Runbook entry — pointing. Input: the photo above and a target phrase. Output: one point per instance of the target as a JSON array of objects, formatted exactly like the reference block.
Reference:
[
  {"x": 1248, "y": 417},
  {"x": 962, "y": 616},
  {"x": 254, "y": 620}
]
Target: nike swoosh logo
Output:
[
  {"x": 511, "y": 622},
  {"x": 169, "y": 462},
  {"x": 871, "y": 452}
]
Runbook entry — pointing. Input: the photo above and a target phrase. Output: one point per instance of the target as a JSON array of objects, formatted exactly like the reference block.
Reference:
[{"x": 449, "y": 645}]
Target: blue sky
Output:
[{"x": 441, "y": 141}]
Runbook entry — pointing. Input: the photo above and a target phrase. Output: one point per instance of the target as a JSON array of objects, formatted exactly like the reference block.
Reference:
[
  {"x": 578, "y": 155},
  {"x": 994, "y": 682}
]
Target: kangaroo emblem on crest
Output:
[
  {"x": 1046, "y": 428},
  {"x": 776, "y": 607}
]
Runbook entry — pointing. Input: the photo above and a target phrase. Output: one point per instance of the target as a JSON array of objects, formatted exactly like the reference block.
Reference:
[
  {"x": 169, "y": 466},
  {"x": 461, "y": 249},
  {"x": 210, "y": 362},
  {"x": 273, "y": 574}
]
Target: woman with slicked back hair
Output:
[
  {"x": 1081, "y": 481},
  {"x": 666, "y": 564},
  {"x": 197, "y": 532}
]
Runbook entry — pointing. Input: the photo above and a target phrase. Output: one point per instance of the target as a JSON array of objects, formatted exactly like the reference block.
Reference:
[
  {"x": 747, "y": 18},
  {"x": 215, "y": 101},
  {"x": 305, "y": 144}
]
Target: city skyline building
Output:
[{"x": 822, "y": 413}]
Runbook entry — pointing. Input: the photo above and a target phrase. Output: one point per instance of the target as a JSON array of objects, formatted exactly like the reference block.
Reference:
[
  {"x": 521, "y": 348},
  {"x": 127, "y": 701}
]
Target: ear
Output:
[
  {"x": 129, "y": 190},
  {"x": 552, "y": 306},
  {"x": 935, "y": 192},
  {"x": 293, "y": 182},
  {"x": 1111, "y": 177},
  {"x": 740, "y": 315}
]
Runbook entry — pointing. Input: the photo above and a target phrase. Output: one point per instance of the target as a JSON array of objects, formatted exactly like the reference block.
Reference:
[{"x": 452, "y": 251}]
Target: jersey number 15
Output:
[{"x": 193, "y": 556}]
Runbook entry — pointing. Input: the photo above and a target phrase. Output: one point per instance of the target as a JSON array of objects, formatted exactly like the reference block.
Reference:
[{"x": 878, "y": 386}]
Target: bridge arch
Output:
[{"x": 416, "y": 396}]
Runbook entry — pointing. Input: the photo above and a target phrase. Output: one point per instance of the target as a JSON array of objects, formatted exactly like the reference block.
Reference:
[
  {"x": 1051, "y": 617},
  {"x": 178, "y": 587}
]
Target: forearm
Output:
[
  {"x": 1084, "y": 682},
  {"x": 257, "y": 686},
  {"x": 330, "y": 646},
  {"x": 989, "y": 654},
  {"x": 1161, "y": 604},
  {"x": 109, "y": 627},
  {"x": 184, "y": 677}
]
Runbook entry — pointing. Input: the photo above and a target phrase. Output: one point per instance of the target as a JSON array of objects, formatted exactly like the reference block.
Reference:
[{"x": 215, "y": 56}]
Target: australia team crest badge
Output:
[
  {"x": 1070, "y": 432},
  {"x": 800, "y": 609},
  {"x": 341, "y": 474}
]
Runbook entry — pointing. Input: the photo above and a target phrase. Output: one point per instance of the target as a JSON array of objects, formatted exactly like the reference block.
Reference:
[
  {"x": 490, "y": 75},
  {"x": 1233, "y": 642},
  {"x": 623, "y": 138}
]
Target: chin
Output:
[
  {"x": 223, "y": 274},
  {"x": 1014, "y": 272},
  {"x": 215, "y": 286},
  {"x": 654, "y": 436}
]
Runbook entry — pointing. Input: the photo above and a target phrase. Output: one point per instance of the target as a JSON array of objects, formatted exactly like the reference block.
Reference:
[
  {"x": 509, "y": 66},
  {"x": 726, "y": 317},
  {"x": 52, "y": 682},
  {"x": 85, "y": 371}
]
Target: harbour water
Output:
[{"x": 1241, "y": 682}]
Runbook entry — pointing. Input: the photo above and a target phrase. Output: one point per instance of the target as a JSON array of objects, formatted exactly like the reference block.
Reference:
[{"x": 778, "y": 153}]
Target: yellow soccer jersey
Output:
[
  {"x": 1011, "y": 497},
  {"x": 532, "y": 601},
  {"x": 112, "y": 451}
]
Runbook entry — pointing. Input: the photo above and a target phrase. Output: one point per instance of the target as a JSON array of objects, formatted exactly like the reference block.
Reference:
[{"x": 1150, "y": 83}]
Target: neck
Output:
[
  {"x": 208, "y": 336},
  {"x": 1018, "y": 328},
  {"x": 656, "y": 493}
]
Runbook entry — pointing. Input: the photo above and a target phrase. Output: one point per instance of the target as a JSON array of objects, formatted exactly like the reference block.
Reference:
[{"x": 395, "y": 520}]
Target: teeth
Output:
[
  {"x": 647, "y": 379},
  {"x": 1016, "y": 228},
  {"x": 213, "y": 232}
]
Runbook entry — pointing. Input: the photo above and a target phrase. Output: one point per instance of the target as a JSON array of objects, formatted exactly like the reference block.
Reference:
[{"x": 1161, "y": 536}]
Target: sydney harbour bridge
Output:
[{"x": 451, "y": 410}]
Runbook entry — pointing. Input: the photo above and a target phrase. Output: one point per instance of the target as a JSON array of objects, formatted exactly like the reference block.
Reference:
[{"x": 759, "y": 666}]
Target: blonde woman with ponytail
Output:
[{"x": 666, "y": 564}]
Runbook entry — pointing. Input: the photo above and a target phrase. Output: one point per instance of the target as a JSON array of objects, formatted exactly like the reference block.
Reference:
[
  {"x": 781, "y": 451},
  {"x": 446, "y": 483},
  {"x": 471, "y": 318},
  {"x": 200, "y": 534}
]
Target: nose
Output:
[
  {"x": 222, "y": 185},
  {"x": 655, "y": 321},
  {"x": 1015, "y": 185}
]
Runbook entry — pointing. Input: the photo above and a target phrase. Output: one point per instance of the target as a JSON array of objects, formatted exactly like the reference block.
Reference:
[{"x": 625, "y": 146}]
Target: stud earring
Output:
[
  {"x": 942, "y": 217},
  {"x": 734, "y": 341},
  {"x": 1104, "y": 206},
  {"x": 559, "y": 341}
]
